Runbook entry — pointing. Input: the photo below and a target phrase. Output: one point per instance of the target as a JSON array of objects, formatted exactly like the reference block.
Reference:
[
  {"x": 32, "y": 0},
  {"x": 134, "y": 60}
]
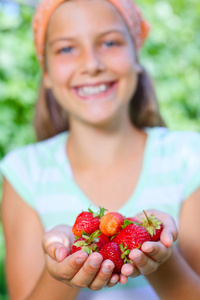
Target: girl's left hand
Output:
[{"x": 152, "y": 254}]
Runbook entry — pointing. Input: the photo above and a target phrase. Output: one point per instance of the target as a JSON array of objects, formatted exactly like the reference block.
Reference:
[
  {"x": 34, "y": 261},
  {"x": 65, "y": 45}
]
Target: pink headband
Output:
[{"x": 139, "y": 29}]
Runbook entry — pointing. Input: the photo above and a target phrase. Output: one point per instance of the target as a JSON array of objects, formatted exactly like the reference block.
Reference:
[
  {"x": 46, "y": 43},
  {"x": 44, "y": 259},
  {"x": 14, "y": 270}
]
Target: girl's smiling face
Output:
[{"x": 91, "y": 65}]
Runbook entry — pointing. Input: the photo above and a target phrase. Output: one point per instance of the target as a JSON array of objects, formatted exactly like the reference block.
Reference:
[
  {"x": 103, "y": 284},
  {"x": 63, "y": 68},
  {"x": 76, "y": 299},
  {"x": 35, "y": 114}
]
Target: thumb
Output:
[
  {"x": 168, "y": 236},
  {"x": 57, "y": 251},
  {"x": 57, "y": 242}
]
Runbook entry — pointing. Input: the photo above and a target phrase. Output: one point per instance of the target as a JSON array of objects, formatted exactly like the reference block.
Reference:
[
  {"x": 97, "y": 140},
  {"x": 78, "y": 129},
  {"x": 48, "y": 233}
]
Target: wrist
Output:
[
  {"x": 49, "y": 288},
  {"x": 175, "y": 279}
]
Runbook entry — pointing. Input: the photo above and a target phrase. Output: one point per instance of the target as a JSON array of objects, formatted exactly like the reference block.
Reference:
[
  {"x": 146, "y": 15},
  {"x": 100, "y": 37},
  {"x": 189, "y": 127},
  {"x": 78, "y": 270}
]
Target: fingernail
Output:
[
  {"x": 137, "y": 258},
  {"x": 171, "y": 237},
  {"x": 113, "y": 280},
  {"x": 57, "y": 254},
  {"x": 80, "y": 259},
  {"x": 149, "y": 250},
  {"x": 94, "y": 263},
  {"x": 107, "y": 269},
  {"x": 128, "y": 270},
  {"x": 129, "y": 273}
]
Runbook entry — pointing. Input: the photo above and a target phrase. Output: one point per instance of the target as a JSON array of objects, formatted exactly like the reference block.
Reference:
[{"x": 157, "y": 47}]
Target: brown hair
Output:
[{"x": 50, "y": 118}]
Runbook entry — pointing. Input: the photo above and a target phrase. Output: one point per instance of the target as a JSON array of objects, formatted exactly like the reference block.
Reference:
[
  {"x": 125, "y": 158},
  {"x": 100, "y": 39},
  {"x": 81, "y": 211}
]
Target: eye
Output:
[
  {"x": 66, "y": 50},
  {"x": 111, "y": 43}
]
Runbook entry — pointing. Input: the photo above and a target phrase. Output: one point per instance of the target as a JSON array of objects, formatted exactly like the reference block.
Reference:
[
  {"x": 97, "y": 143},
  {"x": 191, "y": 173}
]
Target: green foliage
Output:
[
  {"x": 171, "y": 56},
  {"x": 2, "y": 255},
  {"x": 19, "y": 76}
]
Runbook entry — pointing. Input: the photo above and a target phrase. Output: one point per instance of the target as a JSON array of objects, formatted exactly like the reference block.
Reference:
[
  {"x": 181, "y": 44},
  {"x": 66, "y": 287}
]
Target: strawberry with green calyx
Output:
[
  {"x": 129, "y": 221},
  {"x": 113, "y": 252},
  {"x": 87, "y": 221},
  {"x": 133, "y": 219},
  {"x": 153, "y": 225},
  {"x": 90, "y": 243},
  {"x": 99, "y": 214},
  {"x": 110, "y": 223},
  {"x": 103, "y": 239},
  {"x": 125, "y": 252},
  {"x": 132, "y": 236},
  {"x": 78, "y": 245}
]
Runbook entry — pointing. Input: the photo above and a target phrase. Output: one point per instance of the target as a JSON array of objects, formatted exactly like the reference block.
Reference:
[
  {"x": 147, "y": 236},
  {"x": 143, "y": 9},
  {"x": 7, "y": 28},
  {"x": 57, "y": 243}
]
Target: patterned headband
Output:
[{"x": 138, "y": 27}]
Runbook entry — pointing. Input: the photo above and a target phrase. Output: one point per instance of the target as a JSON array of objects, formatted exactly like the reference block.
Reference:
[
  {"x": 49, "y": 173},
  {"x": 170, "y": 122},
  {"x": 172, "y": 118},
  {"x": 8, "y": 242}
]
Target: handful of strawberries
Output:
[{"x": 113, "y": 235}]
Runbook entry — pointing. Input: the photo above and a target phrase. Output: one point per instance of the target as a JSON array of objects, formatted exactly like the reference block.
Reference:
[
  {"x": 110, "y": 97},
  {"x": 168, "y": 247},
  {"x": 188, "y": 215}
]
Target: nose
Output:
[{"x": 92, "y": 62}]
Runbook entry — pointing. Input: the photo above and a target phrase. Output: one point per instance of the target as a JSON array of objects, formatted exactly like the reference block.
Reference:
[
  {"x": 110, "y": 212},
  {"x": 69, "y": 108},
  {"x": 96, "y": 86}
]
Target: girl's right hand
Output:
[{"x": 77, "y": 270}]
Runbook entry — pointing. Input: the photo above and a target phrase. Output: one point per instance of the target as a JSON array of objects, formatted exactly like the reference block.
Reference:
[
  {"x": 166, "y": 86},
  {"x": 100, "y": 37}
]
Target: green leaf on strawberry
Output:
[
  {"x": 153, "y": 225},
  {"x": 127, "y": 222},
  {"x": 99, "y": 214}
]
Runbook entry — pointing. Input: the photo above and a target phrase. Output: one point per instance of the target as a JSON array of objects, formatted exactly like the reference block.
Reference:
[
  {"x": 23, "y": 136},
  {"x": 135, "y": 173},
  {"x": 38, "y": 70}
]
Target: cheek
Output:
[
  {"x": 61, "y": 72},
  {"x": 125, "y": 65}
]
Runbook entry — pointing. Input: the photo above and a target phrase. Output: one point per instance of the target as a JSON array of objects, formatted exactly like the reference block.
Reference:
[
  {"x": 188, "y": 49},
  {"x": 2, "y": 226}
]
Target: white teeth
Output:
[{"x": 89, "y": 90}]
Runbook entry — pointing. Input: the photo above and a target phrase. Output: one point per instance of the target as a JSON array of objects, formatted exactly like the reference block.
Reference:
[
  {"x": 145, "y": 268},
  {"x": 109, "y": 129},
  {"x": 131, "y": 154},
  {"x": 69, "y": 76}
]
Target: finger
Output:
[
  {"x": 169, "y": 235},
  {"x": 122, "y": 279},
  {"x": 170, "y": 232},
  {"x": 60, "y": 234},
  {"x": 114, "y": 279},
  {"x": 88, "y": 271},
  {"x": 103, "y": 276},
  {"x": 157, "y": 251},
  {"x": 61, "y": 253},
  {"x": 68, "y": 268},
  {"x": 144, "y": 264},
  {"x": 130, "y": 270},
  {"x": 57, "y": 251}
]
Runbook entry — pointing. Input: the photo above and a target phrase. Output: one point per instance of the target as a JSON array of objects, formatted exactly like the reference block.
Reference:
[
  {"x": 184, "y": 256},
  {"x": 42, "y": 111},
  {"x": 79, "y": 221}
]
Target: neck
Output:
[{"x": 102, "y": 146}]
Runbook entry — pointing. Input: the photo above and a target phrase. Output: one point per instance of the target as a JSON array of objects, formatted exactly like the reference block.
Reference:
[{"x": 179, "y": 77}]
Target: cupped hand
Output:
[
  {"x": 77, "y": 270},
  {"x": 152, "y": 254}
]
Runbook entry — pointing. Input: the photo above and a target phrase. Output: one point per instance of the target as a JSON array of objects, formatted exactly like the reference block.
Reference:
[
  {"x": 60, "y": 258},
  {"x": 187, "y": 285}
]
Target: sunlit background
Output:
[{"x": 171, "y": 55}]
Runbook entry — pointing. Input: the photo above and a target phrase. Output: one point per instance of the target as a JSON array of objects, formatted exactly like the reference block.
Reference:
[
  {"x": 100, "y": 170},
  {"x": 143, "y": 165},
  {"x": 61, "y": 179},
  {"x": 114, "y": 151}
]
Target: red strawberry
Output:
[
  {"x": 78, "y": 245},
  {"x": 153, "y": 225},
  {"x": 132, "y": 236},
  {"x": 103, "y": 239},
  {"x": 112, "y": 251},
  {"x": 87, "y": 221},
  {"x": 111, "y": 223},
  {"x": 133, "y": 219},
  {"x": 90, "y": 243}
]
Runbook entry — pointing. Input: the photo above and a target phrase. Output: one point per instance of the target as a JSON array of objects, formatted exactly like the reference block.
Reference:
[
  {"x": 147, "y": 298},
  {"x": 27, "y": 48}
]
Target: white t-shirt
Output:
[{"x": 42, "y": 176}]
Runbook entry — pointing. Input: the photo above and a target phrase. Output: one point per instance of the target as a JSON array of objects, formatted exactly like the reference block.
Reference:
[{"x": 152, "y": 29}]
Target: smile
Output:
[{"x": 89, "y": 91}]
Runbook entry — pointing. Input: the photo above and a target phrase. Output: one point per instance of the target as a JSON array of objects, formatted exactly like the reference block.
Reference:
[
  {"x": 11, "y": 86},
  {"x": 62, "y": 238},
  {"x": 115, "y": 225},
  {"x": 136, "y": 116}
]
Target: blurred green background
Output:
[{"x": 171, "y": 55}]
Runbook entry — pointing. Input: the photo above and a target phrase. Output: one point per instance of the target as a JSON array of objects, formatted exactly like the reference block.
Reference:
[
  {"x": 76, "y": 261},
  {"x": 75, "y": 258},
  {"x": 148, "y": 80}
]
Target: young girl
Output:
[{"x": 103, "y": 143}]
